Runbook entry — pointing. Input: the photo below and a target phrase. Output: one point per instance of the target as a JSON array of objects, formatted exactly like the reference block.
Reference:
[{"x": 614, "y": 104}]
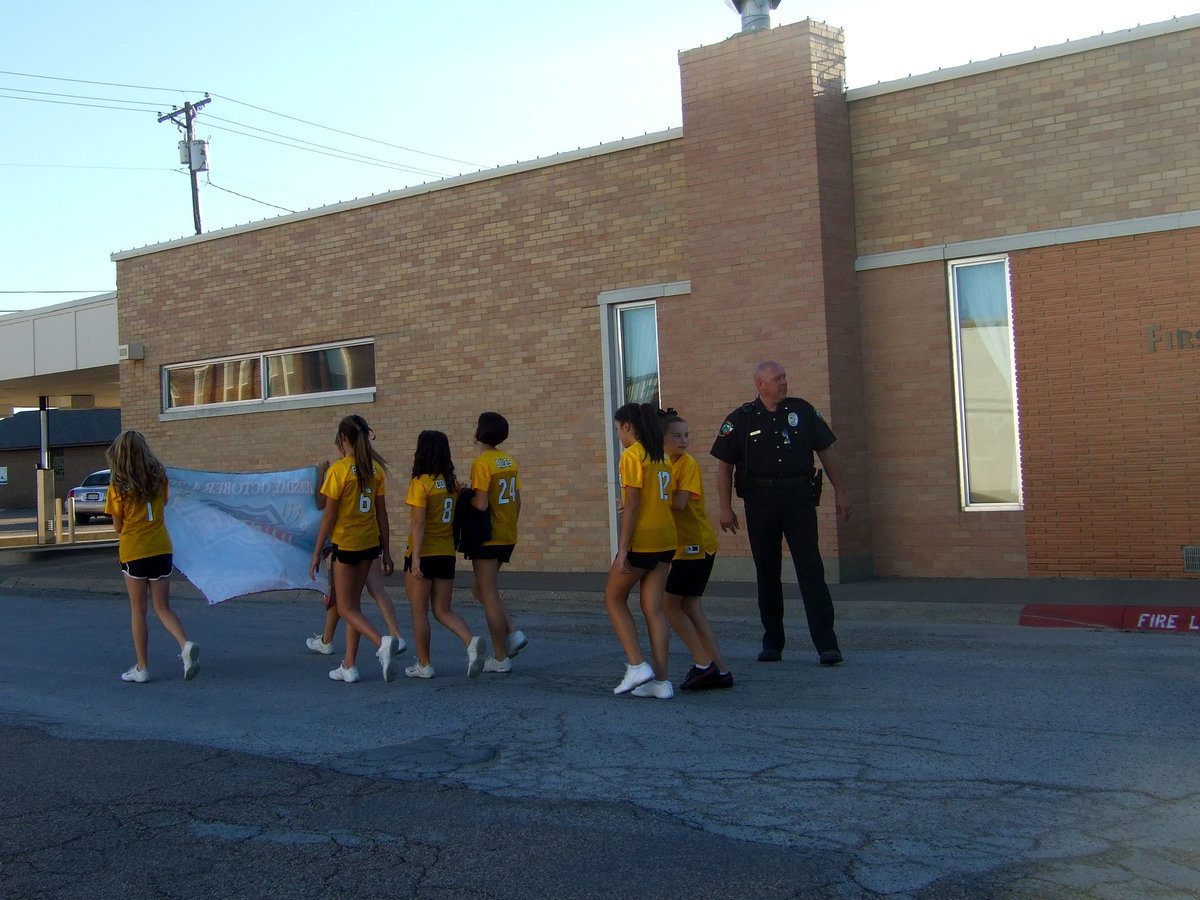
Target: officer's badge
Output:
[
  {"x": 727, "y": 428},
  {"x": 793, "y": 419}
]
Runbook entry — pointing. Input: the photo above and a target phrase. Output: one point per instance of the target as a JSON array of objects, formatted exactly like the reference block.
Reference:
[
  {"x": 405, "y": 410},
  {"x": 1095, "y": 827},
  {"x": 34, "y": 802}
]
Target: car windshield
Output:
[{"x": 95, "y": 479}]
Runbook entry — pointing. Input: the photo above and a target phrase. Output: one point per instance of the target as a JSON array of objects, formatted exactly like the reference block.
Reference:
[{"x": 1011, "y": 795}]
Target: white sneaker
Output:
[
  {"x": 634, "y": 675},
  {"x": 191, "y": 660},
  {"x": 476, "y": 651},
  {"x": 515, "y": 643},
  {"x": 416, "y": 670},
  {"x": 133, "y": 673},
  {"x": 316, "y": 645},
  {"x": 663, "y": 690},
  {"x": 401, "y": 645},
  {"x": 341, "y": 673},
  {"x": 387, "y": 657},
  {"x": 495, "y": 665}
]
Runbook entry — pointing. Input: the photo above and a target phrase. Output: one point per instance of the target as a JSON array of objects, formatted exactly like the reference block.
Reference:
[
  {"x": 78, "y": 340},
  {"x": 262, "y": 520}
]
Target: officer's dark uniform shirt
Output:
[{"x": 765, "y": 444}]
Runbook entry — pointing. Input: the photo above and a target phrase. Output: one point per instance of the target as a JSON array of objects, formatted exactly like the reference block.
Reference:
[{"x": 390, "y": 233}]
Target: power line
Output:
[
  {"x": 82, "y": 96},
  {"x": 68, "y": 103},
  {"x": 136, "y": 87},
  {"x": 212, "y": 184},
  {"x": 348, "y": 133},
  {"x": 361, "y": 157},
  {"x": 384, "y": 164},
  {"x": 249, "y": 105}
]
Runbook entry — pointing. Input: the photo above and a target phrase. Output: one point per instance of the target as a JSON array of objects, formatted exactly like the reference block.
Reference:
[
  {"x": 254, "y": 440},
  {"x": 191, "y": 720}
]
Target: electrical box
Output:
[
  {"x": 199, "y": 156},
  {"x": 131, "y": 351},
  {"x": 194, "y": 155}
]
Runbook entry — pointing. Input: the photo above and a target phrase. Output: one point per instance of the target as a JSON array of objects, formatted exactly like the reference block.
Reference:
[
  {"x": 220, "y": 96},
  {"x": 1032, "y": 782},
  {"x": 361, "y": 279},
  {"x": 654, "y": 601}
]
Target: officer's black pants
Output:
[{"x": 775, "y": 514}]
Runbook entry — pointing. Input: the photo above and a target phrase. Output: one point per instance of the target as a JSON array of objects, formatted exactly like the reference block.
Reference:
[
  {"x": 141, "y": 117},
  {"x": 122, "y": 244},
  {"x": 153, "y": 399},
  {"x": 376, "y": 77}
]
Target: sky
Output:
[{"x": 316, "y": 103}]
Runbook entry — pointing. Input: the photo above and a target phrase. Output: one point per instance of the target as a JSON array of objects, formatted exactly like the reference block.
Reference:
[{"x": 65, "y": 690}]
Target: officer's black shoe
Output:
[
  {"x": 770, "y": 656},
  {"x": 831, "y": 657}
]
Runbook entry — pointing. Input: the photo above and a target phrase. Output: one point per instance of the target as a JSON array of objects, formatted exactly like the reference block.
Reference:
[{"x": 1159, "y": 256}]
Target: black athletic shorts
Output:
[
  {"x": 433, "y": 566},
  {"x": 689, "y": 577},
  {"x": 149, "y": 568},
  {"x": 649, "y": 561},
  {"x": 502, "y": 552},
  {"x": 354, "y": 557}
]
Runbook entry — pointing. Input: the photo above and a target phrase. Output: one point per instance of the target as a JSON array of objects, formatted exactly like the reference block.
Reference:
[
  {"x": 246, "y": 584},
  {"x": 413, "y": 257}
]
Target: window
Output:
[
  {"x": 629, "y": 336},
  {"x": 636, "y": 335},
  {"x": 304, "y": 376},
  {"x": 985, "y": 384}
]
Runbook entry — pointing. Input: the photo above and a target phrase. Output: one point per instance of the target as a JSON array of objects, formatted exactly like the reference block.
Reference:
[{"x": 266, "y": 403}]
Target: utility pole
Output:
[{"x": 191, "y": 152}]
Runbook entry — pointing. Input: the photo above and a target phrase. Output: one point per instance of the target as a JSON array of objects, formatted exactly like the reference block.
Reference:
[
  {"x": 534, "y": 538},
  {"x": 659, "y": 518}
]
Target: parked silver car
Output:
[{"x": 89, "y": 496}]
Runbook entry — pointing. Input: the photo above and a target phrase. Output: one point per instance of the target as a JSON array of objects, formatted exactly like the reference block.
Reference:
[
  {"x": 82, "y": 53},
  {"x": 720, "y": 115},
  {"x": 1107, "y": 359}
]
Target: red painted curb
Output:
[{"x": 1125, "y": 618}]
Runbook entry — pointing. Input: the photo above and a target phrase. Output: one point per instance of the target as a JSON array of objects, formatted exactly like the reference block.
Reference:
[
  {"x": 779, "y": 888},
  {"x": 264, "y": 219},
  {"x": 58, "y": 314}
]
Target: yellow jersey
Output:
[
  {"x": 496, "y": 472},
  {"x": 654, "y": 530},
  {"x": 696, "y": 536},
  {"x": 432, "y": 495},
  {"x": 143, "y": 531},
  {"x": 355, "y": 527}
]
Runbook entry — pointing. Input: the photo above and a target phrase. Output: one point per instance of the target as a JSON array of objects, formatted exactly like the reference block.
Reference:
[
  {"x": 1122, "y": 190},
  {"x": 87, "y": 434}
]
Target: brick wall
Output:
[
  {"x": 1108, "y": 356},
  {"x": 919, "y": 526},
  {"x": 766, "y": 144},
  {"x": 1105, "y": 134},
  {"x": 478, "y": 297}
]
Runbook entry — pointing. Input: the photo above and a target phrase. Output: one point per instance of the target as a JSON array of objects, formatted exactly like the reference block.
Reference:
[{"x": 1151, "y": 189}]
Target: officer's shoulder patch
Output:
[{"x": 726, "y": 428}]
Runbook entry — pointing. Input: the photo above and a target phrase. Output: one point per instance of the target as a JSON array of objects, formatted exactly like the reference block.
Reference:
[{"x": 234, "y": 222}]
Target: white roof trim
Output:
[
  {"x": 1037, "y": 54},
  {"x": 1030, "y": 239},
  {"x": 541, "y": 162},
  {"x": 96, "y": 299}
]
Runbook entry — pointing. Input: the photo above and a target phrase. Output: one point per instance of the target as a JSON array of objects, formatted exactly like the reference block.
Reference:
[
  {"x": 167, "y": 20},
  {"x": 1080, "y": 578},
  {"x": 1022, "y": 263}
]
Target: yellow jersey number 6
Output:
[{"x": 364, "y": 503}]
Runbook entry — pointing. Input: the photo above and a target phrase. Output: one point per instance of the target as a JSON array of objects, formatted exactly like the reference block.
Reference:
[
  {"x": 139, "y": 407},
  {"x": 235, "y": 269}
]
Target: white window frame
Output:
[
  {"x": 611, "y": 303},
  {"x": 265, "y": 402},
  {"x": 964, "y": 475}
]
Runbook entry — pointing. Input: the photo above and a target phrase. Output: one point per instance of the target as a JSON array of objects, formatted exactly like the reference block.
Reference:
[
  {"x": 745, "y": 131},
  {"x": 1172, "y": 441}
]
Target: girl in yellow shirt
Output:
[
  {"x": 429, "y": 565},
  {"x": 695, "y": 553},
  {"x": 136, "y": 497},
  {"x": 357, "y": 522},
  {"x": 496, "y": 486},
  {"x": 645, "y": 548}
]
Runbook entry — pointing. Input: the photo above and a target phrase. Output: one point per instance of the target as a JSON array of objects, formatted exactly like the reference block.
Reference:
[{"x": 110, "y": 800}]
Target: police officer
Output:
[{"x": 765, "y": 448}]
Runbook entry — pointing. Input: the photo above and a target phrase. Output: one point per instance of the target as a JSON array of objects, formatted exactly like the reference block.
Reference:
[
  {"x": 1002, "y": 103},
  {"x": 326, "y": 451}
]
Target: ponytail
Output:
[
  {"x": 645, "y": 421},
  {"x": 356, "y": 430}
]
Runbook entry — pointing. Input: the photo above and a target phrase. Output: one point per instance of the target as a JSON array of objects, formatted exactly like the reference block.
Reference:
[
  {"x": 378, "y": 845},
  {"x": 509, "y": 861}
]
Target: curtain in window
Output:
[
  {"x": 639, "y": 354},
  {"x": 986, "y": 380}
]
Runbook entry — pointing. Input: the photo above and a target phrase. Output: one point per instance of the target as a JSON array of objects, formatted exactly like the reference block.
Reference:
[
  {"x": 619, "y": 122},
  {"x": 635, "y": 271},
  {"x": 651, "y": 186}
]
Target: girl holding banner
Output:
[{"x": 135, "y": 500}]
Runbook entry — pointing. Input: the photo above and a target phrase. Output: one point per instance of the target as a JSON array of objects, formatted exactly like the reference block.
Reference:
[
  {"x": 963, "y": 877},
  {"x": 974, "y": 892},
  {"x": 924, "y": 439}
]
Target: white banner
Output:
[{"x": 236, "y": 534}]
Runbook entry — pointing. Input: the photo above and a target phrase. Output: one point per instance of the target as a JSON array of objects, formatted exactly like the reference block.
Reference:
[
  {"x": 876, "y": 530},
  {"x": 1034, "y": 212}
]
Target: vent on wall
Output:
[{"x": 1191, "y": 559}]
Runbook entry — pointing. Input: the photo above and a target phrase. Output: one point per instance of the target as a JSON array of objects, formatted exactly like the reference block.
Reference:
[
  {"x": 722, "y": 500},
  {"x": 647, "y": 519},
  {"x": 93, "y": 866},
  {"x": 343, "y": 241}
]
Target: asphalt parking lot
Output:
[{"x": 954, "y": 754}]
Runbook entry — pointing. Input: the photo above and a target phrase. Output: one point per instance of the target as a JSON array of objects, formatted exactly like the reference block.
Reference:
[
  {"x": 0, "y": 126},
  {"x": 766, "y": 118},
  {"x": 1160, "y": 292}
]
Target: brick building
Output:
[{"x": 982, "y": 276}]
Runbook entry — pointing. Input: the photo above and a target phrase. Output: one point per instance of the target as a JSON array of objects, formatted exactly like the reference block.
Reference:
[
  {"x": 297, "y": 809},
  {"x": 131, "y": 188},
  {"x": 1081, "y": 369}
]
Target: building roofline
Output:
[
  {"x": 542, "y": 162},
  {"x": 58, "y": 307},
  {"x": 1037, "y": 54}
]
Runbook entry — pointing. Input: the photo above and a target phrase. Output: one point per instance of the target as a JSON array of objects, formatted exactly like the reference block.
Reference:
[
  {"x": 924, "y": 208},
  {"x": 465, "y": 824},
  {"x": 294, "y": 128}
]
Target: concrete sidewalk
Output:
[{"x": 92, "y": 567}]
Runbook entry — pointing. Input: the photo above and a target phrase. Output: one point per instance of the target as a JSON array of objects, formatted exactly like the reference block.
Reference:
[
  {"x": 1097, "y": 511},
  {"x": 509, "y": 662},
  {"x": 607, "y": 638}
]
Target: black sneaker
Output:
[
  {"x": 720, "y": 680},
  {"x": 831, "y": 657},
  {"x": 770, "y": 655},
  {"x": 696, "y": 677}
]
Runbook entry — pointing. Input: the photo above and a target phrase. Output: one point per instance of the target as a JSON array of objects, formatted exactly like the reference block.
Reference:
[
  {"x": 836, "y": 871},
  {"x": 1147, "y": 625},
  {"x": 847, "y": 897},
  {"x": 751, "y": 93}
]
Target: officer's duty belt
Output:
[{"x": 752, "y": 481}]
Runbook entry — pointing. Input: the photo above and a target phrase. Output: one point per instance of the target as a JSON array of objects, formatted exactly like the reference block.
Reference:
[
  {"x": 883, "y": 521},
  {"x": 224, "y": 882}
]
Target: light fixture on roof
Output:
[{"x": 756, "y": 14}]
